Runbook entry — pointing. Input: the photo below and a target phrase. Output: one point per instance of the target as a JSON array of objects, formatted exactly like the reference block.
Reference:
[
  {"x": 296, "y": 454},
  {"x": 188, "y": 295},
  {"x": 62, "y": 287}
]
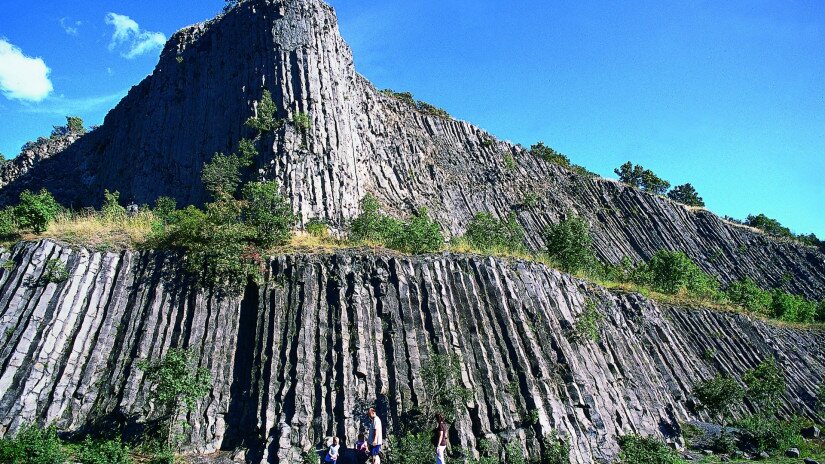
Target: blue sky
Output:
[{"x": 729, "y": 96}]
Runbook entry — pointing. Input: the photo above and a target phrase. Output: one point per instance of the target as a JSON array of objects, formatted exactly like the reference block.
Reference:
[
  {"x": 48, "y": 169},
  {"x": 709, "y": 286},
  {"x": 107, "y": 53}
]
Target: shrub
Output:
[
  {"x": 768, "y": 225},
  {"x": 177, "y": 384},
  {"x": 268, "y": 213},
  {"x": 686, "y": 194},
  {"x": 792, "y": 308},
  {"x": 418, "y": 235},
  {"x": 302, "y": 122},
  {"x": 570, "y": 244},
  {"x": 509, "y": 162},
  {"x": 8, "y": 224},
  {"x": 75, "y": 125},
  {"x": 370, "y": 225},
  {"x": 636, "y": 449},
  {"x": 317, "y": 228},
  {"x": 555, "y": 450},
  {"x": 746, "y": 293},
  {"x": 673, "y": 272},
  {"x": 441, "y": 375},
  {"x": 768, "y": 434},
  {"x": 719, "y": 396},
  {"x": 487, "y": 233},
  {"x": 642, "y": 178},
  {"x": 55, "y": 271},
  {"x": 32, "y": 445},
  {"x": 411, "y": 449},
  {"x": 164, "y": 207},
  {"x": 36, "y": 210},
  {"x": 766, "y": 384},
  {"x": 265, "y": 120},
  {"x": 112, "y": 211},
  {"x": 588, "y": 323},
  {"x": 102, "y": 452},
  {"x": 530, "y": 200},
  {"x": 548, "y": 154},
  {"x": 820, "y": 397},
  {"x": 513, "y": 454},
  {"x": 424, "y": 107},
  {"x": 221, "y": 175},
  {"x": 820, "y": 311}
]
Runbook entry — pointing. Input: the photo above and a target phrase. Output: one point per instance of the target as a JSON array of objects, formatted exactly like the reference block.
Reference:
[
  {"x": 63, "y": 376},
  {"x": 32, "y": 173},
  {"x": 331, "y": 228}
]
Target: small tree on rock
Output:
[
  {"x": 36, "y": 210},
  {"x": 766, "y": 385},
  {"x": 719, "y": 396},
  {"x": 686, "y": 194},
  {"x": 570, "y": 244},
  {"x": 265, "y": 119},
  {"x": 176, "y": 385}
]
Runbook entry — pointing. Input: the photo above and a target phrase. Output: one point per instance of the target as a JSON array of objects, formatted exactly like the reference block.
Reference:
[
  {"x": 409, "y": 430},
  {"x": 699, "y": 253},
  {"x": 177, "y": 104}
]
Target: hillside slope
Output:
[
  {"x": 301, "y": 357},
  {"x": 207, "y": 83}
]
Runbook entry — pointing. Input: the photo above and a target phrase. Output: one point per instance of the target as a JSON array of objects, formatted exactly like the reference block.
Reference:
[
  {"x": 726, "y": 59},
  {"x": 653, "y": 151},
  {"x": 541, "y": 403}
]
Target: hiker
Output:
[
  {"x": 332, "y": 454},
  {"x": 440, "y": 439},
  {"x": 362, "y": 451},
  {"x": 376, "y": 436}
]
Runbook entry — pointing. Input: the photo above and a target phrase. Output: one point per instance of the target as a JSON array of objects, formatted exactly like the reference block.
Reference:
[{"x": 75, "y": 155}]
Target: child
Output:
[
  {"x": 361, "y": 449},
  {"x": 332, "y": 454}
]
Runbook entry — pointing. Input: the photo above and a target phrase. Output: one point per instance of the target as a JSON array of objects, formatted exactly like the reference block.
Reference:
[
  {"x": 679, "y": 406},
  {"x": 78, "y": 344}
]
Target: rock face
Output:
[
  {"x": 33, "y": 153},
  {"x": 300, "y": 357},
  {"x": 211, "y": 75}
]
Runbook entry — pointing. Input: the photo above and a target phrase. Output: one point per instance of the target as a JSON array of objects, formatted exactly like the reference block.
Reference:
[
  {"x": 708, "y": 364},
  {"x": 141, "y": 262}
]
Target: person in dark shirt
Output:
[{"x": 440, "y": 440}]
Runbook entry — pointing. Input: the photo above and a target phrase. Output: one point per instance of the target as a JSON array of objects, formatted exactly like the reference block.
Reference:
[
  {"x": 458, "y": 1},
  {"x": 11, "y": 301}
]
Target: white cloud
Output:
[
  {"x": 130, "y": 37},
  {"x": 23, "y": 77},
  {"x": 70, "y": 27}
]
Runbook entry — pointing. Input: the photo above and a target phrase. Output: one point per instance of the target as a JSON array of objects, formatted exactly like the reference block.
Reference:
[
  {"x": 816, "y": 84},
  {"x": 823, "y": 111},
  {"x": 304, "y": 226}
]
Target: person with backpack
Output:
[{"x": 440, "y": 439}]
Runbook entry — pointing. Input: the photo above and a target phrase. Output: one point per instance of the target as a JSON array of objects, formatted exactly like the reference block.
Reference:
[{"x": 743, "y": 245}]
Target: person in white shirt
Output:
[
  {"x": 376, "y": 436},
  {"x": 332, "y": 454}
]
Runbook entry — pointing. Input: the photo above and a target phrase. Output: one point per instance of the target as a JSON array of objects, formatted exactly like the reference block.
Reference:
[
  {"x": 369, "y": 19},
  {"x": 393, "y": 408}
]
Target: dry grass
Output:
[{"x": 95, "y": 231}]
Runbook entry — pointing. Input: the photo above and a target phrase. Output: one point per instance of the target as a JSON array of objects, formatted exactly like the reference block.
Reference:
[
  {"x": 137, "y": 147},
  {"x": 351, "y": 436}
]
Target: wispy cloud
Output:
[
  {"x": 70, "y": 27},
  {"x": 61, "y": 106},
  {"x": 22, "y": 77},
  {"x": 129, "y": 37}
]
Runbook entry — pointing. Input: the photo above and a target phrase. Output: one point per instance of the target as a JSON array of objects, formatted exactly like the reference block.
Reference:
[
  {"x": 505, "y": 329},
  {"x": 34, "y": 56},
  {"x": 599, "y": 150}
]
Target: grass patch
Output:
[{"x": 96, "y": 231}]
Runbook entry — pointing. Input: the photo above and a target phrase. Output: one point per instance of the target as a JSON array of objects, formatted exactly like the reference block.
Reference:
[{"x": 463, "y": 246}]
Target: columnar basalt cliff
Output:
[
  {"x": 211, "y": 75},
  {"x": 299, "y": 357}
]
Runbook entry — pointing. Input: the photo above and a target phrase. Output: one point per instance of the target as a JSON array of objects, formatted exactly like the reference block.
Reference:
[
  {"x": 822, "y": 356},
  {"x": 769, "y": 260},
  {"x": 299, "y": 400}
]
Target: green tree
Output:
[
  {"x": 792, "y": 308},
  {"x": 75, "y": 125},
  {"x": 177, "y": 385},
  {"x": 164, "y": 207},
  {"x": 746, "y": 293},
  {"x": 673, "y": 272},
  {"x": 8, "y": 224},
  {"x": 569, "y": 243},
  {"x": 686, "y": 194},
  {"x": 268, "y": 213},
  {"x": 370, "y": 225},
  {"x": 32, "y": 445},
  {"x": 550, "y": 155},
  {"x": 487, "y": 233},
  {"x": 765, "y": 386},
  {"x": 302, "y": 122},
  {"x": 653, "y": 183},
  {"x": 719, "y": 395},
  {"x": 221, "y": 176},
  {"x": 419, "y": 234},
  {"x": 265, "y": 119},
  {"x": 513, "y": 454},
  {"x": 639, "y": 177},
  {"x": 441, "y": 375},
  {"x": 112, "y": 210},
  {"x": 36, "y": 211},
  {"x": 555, "y": 450},
  {"x": 820, "y": 397},
  {"x": 102, "y": 452},
  {"x": 411, "y": 448},
  {"x": 636, "y": 450},
  {"x": 768, "y": 225}
]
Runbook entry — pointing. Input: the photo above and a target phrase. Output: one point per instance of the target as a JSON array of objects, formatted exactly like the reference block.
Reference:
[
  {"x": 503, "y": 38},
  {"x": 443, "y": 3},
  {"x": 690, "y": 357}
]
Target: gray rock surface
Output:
[
  {"x": 32, "y": 154},
  {"x": 300, "y": 357},
  {"x": 210, "y": 76}
]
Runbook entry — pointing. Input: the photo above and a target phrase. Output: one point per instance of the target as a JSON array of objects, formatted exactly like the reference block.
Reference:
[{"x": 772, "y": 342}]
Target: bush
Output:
[
  {"x": 569, "y": 243},
  {"x": 112, "y": 211},
  {"x": 424, "y": 107},
  {"x": 411, "y": 449},
  {"x": 792, "y": 308},
  {"x": 555, "y": 450},
  {"x": 265, "y": 120},
  {"x": 36, "y": 210},
  {"x": 268, "y": 214},
  {"x": 302, "y": 122},
  {"x": 486, "y": 233},
  {"x": 768, "y": 434},
  {"x": 642, "y": 178},
  {"x": 636, "y": 450},
  {"x": 441, "y": 375},
  {"x": 513, "y": 454},
  {"x": 746, "y": 293},
  {"x": 766, "y": 385},
  {"x": 719, "y": 395},
  {"x": 8, "y": 224},
  {"x": 164, "y": 207},
  {"x": 686, "y": 194},
  {"x": 768, "y": 225},
  {"x": 317, "y": 228},
  {"x": 588, "y": 323},
  {"x": 673, "y": 272},
  {"x": 55, "y": 271},
  {"x": 548, "y": 154},
  {"x": 177, "y": 384},
  {"x": 102, "y": 452},
  {"x": 75, "y": 125},
  {"x": 509, "y": 162},
  {"x": 418, "y": 235},
  {"x": 32, "y": 445}
]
